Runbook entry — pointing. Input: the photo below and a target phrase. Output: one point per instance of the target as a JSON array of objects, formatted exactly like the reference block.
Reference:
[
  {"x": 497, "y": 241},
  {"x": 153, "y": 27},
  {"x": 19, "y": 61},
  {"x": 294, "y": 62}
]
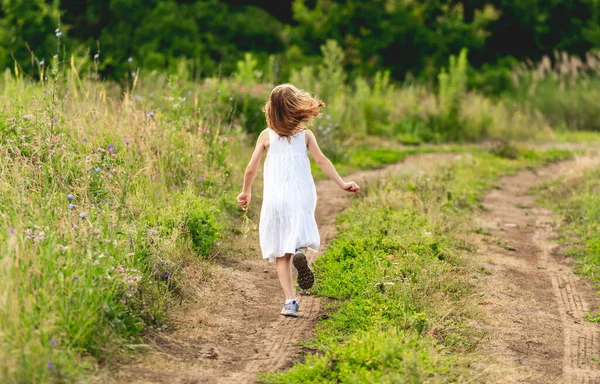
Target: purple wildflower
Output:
[
  {"x": 97, "y": 169},
  {"x": 150, "y": 114},
  {"x": 83, "y": 215},
  {"x": 75, "y": 278},
  {"x": 132, "y": 74},
  {"x": 110, "y": 148},
  {"x": 70, "y": 196},
  {"x": 53, "y": 342},
  {"x": 138, "y": 97},
  {"x": 84, "y": 140},
  {"x": 50, "y": 365},
  {"x": 71, "y": 206},
  {"x": 42, "y": 62},
  {"x": 200, "y": 180},
  {"x": 127, "y": 143},
  {"x": 130, "y": 59},
  {"x": 11, "y": 231}
]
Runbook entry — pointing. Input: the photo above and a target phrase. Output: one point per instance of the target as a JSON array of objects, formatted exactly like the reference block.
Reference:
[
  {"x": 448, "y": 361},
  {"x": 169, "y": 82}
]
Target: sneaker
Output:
[
  {"x": 291, "y": 309},
  {"x": 306, "y": 279}
]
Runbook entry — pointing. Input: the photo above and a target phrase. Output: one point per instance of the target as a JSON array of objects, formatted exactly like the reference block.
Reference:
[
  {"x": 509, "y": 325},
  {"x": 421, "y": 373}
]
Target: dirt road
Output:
[
  {"x": 534, "y": 304},
  {"x": 229, "y": 328}
]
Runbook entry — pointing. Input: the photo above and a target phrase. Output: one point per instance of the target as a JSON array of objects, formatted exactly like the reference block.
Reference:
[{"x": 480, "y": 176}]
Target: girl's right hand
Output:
[
  {"x": 243, "y": 199},
  {"x": 351, "y": 187}
]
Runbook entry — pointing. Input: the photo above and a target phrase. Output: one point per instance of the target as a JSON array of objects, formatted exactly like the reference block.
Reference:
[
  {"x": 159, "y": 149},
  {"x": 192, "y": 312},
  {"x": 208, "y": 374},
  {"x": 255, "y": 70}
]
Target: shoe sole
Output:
[
  {"x": 290, "y": 314},
  {"x": 306, "y": 279}
]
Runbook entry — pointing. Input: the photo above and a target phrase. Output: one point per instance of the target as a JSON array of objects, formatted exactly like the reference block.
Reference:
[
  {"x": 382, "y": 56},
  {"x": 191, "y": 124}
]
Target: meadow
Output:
[{"x": 109, "y": 190}]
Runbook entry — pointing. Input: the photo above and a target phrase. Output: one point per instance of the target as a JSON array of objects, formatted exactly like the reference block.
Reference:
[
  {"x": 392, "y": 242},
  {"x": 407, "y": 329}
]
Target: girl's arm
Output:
[
  {"x": 326, "y": 166},
  {"x": 244, "y": 198}
]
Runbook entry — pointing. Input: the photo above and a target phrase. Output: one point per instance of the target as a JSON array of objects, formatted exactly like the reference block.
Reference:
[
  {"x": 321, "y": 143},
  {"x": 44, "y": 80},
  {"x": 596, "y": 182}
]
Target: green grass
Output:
[
  {"x": 577, "y": 201},
  {"x": 367, "y": 158},
  {"x": 577, "y": 136},
  {"x": 399, "y": 277}
]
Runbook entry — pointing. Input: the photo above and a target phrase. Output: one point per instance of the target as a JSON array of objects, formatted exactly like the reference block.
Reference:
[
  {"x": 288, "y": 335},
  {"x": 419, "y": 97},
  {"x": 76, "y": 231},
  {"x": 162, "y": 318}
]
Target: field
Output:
[{"x": 120, "y": 228}]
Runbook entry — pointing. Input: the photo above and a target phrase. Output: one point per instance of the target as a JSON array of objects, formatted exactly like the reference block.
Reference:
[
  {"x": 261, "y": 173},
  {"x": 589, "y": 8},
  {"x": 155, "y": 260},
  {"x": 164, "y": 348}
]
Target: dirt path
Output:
[
  {"x": 533, "y": 303},
  {"x": 229, "y": 329}
]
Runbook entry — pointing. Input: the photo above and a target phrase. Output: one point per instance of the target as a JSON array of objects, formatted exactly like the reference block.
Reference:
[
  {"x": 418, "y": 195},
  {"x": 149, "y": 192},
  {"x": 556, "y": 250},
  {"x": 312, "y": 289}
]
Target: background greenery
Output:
[{"x": 208, "y": 37}]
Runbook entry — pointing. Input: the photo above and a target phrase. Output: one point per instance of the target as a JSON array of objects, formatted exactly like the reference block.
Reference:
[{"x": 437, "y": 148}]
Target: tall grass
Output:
[
  {"x": 564, "y": 88},
  {"x": 104, "y": 196}
]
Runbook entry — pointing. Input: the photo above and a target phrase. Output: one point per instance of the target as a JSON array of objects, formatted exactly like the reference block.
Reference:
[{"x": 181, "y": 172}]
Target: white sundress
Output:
[{"x": 287, "y": 217}]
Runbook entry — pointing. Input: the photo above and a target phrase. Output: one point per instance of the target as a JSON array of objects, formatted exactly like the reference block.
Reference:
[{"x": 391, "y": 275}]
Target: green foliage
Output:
[
  {"x": 202, "y": 225},
  {"x": 398, "y": 271},
  {"x": 452, "y": 89},
  {"x": 209, "y": 37}
]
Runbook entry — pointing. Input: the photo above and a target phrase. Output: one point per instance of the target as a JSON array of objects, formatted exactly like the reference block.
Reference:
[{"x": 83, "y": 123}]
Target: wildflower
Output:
[
  {"x": 58, "y": 34},
  {"x": 230, "y": 138},
  {"x": 123, "y": 302},
  {"x": 71, "y": 206},
  {"x": 200, "y": 180},
  {"x": 138, "y": 97},
  {"x": 110, "y": 148},
  {"x": 132, "y": 74},
  {"x": 127, "y": 143},
  {"x": 70, "y": 196},
  {"x": 83, "y": 215},
  {"x": 42, "y": 62},
  {"x": 75, "y": 278},
  {"x": 56, "y": 30},
  {"x": 130, "y": 59},
  {"x": 97, "y": 169},
  {"x": 219, "y": 92},
  {"x": 11, "y": 231},
  {"x": 84, "y": 140},
  {"x": 53, "y": 342},
  {"x": 50, "y": 365},
  {"x": 150, "y": 114},
  {"x": 231, "y": 99},
  {"x": 96, "y": 56}
]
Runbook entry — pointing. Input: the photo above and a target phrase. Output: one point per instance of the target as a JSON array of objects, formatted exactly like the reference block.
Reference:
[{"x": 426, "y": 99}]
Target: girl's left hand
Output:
[
  {"x": 243, "y": 200},
  {"x": 351, "y": 187}
]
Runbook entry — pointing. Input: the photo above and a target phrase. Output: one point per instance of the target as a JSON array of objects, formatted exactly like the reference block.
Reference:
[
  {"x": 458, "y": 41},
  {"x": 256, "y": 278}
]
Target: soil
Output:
[
  {"x": 534, "y": 306},
  {"x": 228, "y": 328}
]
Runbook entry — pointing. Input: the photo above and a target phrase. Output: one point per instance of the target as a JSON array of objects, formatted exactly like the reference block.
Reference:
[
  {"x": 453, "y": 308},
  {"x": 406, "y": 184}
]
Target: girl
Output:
[{"x": 287, "y": 219}]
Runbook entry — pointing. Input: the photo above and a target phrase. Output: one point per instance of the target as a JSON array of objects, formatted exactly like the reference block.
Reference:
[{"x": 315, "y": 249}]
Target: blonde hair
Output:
[{"x": 290, "y": 109}]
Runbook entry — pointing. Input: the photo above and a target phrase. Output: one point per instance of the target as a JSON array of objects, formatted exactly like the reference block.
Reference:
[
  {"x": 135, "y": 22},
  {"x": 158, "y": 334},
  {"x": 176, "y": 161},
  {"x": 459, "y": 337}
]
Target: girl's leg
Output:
[{"x": 284, "y": 271}]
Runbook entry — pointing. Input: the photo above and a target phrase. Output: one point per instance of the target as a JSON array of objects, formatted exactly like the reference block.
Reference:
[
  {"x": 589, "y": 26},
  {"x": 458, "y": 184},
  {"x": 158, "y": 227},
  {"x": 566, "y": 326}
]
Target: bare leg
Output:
[{"x": 284, "y": 271}]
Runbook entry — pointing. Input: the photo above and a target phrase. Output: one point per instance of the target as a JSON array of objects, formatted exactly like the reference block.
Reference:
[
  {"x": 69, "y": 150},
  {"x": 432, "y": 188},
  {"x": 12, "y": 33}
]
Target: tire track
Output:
[{"x": 538, "y": 333}]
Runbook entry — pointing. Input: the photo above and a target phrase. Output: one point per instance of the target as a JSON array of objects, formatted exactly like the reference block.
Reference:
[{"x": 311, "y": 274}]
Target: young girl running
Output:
[{"x": 287, "y": 219}]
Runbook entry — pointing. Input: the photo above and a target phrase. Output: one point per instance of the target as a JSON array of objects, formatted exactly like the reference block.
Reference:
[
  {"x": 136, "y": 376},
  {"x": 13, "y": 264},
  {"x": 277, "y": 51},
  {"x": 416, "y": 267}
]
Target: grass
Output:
[
  {"x": 399, "y": 277},
  {"x": 103, "y": 204},
  {"x": 577, "y": 202}
]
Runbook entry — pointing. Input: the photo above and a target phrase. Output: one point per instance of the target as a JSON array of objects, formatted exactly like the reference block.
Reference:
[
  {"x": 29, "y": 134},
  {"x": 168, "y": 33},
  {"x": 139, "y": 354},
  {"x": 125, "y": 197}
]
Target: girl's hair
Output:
[{"x": 289, "y": 109}]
